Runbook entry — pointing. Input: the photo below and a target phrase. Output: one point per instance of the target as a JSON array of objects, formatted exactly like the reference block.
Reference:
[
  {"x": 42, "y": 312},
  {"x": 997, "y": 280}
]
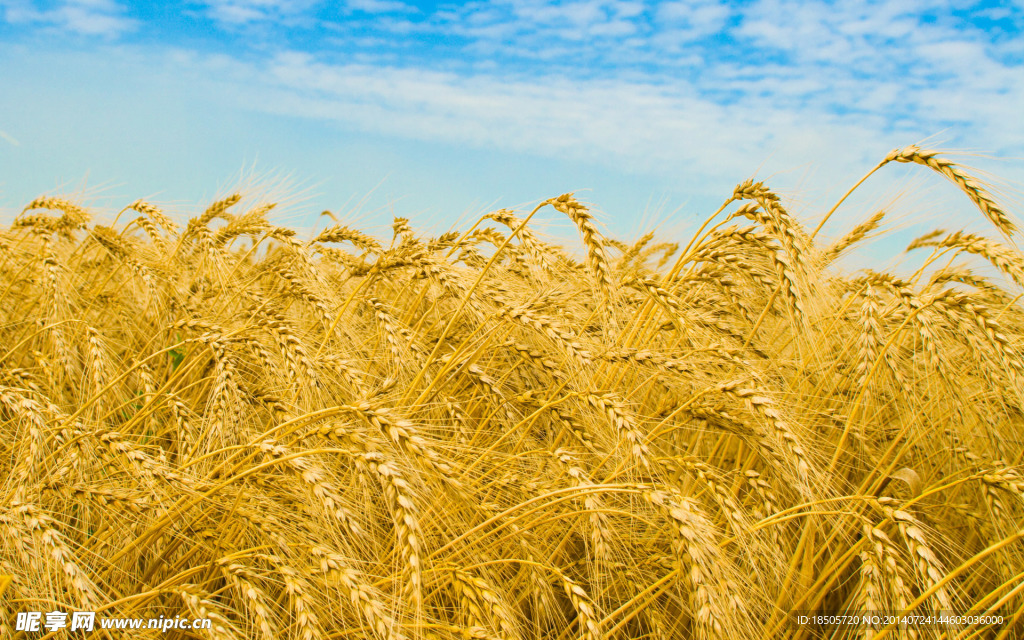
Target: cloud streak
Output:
[
  {"x": 9, "y": 138},
  {"x": 104, "y": 18}
]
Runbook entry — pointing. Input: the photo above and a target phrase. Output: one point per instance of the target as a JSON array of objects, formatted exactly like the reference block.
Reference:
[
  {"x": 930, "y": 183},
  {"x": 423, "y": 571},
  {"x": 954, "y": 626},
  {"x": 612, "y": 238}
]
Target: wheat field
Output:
[{"x": 481, "y": 435}]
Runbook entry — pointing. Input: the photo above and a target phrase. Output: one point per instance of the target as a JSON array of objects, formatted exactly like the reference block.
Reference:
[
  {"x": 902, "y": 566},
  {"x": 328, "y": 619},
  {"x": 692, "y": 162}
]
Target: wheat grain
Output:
[
  {"x": 218, "y": 209},
  {"x": 244, "y": 580},
  {"x": 314, "y": 476},
  {"x": 73, "y": 216},
  {"x": 766, "y": 408},
  {"x": 302, "y": 603},
  {"x": 153, "y": 212},
  {"x": 201, "y": 607},
  {"x": 361, "y": 595},
  {"x": 624, "y": 424},
  {"x": 484, "y": 604},
  {"x": 1007, "y": 260},
  {"x": 596, "y": 258},
  {"x": 586, "y": 614},
  {"x": 407, "y": 526},
  {"x": 601, "y": 536},
  {"x": 695, "y": 547},
  {"x": 928, "y": 566},
  {"x": 857, "y": 234},
  {"x": 960, "y": 178}
]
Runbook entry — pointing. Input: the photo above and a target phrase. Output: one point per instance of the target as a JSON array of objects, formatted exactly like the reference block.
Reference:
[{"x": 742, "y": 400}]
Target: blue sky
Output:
[{"x": 652, "y": 111}]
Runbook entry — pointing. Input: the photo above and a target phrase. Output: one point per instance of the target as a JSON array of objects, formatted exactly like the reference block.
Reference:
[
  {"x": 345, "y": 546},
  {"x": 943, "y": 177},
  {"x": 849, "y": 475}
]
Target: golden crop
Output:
[{"x": 479, "y": 436}]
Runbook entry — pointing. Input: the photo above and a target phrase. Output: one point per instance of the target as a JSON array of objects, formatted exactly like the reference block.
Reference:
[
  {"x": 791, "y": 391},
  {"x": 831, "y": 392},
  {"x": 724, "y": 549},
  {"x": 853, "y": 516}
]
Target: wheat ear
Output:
[{"x": 970, "y": 186}]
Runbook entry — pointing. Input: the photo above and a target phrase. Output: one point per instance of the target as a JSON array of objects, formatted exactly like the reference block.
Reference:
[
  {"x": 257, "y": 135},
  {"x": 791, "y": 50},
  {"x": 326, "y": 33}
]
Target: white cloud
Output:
[
  {"x": 543, "y": 30},
  {"x": 380, "y": 6},
  {"x": 244, "y": 12},
  {"x": 697, "y": 17},
  {"x": 84, "y": 17}
]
